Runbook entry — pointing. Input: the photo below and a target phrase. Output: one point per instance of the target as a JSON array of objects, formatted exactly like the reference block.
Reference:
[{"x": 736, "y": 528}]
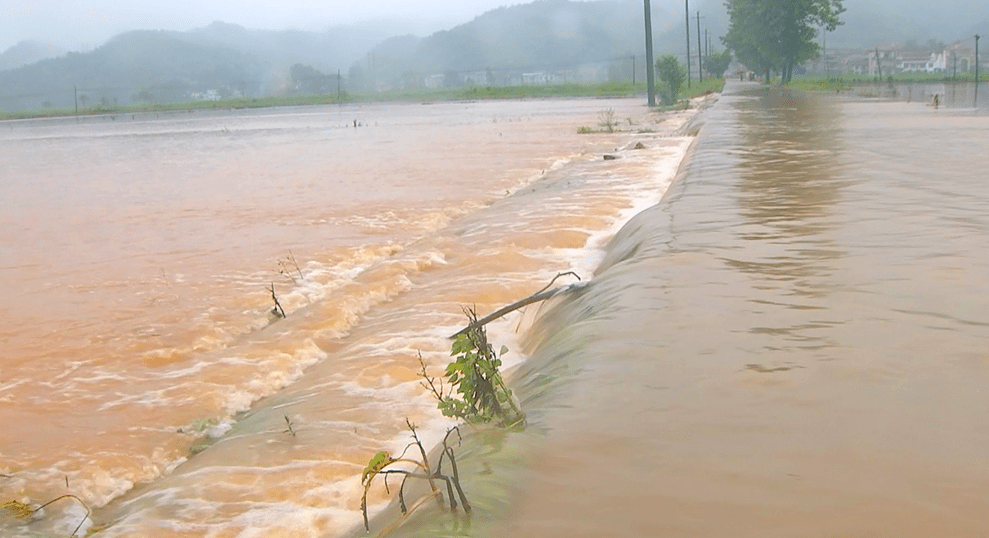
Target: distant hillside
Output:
[
  {"x": 887, "y": 21},
  {"x": 170, "y": 66},
  {"x": 27, "y": 52},
  {"x": 136, "y": 66},
  {"x": 541, "y": 33},
  {"x": 334, "y": 49}
]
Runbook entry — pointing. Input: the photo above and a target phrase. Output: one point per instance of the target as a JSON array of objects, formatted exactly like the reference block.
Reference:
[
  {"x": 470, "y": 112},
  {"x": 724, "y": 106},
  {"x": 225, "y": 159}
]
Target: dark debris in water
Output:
[{"x": 763, "y": 370}]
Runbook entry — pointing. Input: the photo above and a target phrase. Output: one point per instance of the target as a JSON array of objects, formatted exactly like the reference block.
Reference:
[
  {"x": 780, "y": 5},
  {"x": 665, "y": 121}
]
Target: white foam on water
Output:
[
  {"x": 640, "y": 196},
  {"x": 260, "y": 386},
  {"x": 326, "y": 281}
]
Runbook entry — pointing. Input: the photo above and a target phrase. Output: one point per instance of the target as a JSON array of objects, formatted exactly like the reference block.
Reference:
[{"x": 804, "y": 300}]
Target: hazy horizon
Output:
[
  {"x": 73, "y": 25},
  {"x": 78, "y": 26}
]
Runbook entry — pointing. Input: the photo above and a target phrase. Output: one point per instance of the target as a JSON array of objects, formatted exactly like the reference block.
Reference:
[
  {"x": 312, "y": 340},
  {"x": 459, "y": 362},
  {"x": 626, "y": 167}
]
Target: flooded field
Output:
[
  {"x": 792, "y": 342},
  {"x": 143, "y": 369}
]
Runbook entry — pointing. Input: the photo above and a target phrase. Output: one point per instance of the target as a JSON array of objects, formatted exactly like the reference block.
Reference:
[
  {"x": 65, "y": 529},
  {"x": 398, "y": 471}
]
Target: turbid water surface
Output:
[{"x": 142, "y": 369}]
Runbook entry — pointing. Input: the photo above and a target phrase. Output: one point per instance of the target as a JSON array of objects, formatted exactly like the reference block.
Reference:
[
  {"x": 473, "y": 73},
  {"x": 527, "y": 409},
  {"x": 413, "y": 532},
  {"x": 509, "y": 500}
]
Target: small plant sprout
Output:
[
  {"x": 290, "y": 429},
  {"x": 607, "y": 121}
]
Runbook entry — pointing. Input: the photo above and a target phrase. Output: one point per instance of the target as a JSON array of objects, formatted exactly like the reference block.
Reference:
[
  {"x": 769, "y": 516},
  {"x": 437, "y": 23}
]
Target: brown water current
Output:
[
  {"x": 141, "y": 367},
  {"x": 795, "y": 342}
]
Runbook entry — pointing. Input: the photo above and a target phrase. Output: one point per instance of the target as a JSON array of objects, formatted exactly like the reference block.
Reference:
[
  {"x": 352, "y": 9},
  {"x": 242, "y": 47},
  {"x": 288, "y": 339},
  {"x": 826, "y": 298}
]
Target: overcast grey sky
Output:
[
  {"x": 85, "y": 24},
  {"x": 75, "y": 23}
]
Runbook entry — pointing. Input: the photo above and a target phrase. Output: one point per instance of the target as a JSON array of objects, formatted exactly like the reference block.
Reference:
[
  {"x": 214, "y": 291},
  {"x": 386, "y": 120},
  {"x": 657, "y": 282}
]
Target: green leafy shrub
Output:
[
  {"x": 478, "y": 393},
  {"x": 673, "y": 75}
]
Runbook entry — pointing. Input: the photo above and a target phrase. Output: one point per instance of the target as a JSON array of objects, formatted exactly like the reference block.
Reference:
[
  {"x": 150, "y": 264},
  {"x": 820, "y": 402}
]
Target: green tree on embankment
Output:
[
  {"x": 672, "y": 75},
  {"x": 776, "y": 35}
]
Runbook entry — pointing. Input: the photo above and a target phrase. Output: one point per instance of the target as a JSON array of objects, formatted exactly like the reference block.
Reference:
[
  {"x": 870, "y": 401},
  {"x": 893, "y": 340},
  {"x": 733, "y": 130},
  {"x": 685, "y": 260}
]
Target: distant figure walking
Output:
[{"x": 937, "y": 100}]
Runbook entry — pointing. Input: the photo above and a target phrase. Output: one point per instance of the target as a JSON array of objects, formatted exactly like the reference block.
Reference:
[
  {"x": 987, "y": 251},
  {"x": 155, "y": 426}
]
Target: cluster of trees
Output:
[
  {"x": 777, "y": 35},
  {"x": 309, "y": 80},
  {"x": 717, "y": 63}
]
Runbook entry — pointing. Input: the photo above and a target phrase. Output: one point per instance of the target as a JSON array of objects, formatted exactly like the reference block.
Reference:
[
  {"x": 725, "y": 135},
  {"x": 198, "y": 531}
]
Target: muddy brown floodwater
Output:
[{"x": 141, "y": 369}]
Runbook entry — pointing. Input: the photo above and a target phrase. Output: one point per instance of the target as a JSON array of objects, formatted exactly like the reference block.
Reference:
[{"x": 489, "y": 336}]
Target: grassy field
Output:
[
  {"x": 709, "y": 85},
  {"x": 466, "y": 93},
  {"x": 849, "y": 81}
]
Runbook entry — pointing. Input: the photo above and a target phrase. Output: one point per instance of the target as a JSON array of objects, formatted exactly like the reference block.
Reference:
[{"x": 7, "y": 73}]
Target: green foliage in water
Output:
[
  {"x": 474, "y": 375},
  {"x": 22, "y": 510},
  {"x": 378, "y": 462},
  {"x": 477, "y": 392},
  {"x": 380, "y": 465}
]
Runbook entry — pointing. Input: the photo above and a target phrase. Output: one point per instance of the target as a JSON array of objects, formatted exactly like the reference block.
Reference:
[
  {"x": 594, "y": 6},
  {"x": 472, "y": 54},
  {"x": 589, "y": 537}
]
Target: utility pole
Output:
[
  {"x": 975, "y": 100},
  {"x": 954, "y": 62},
  {"x": 338, "y": 86},
  {"x": 879, "y": 65},
  {"x": 75, "y": 92},
  {"x": 686, "y": 7},
  {"x": 707, "y": 46},
  {"x": 633, "y": 70},
  {"x": 650, "y": 81},
  {"x": 827, "y": 64},
  {"x": 700, "y": 64},
  {"x": 370, "y": 68}
]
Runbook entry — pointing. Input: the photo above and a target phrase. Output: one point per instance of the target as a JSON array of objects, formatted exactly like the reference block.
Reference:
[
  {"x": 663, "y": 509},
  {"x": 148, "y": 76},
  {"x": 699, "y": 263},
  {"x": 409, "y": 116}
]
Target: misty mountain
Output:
[
  {"x": 328, "y": 51},
  {"x": 541, "y": 33},
  {"x": 164, "y": 66},
  {"x": 141, "y": 65},
  {"x": 28, "y": 52},
  {"x": 225, "y": 59},
  {"x": 875, "y": 22}
]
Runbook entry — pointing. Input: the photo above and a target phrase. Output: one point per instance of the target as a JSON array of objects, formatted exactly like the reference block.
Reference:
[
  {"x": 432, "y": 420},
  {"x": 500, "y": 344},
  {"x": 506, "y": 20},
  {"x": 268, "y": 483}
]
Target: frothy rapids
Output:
[{"x": 143, "y": 369}]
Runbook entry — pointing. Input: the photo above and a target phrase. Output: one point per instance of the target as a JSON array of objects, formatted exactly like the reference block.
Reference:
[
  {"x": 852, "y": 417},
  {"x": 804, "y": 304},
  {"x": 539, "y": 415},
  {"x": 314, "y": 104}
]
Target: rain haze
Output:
[
  {"x": 76, "y": 24},
  {"x": 82, "y": 25}
]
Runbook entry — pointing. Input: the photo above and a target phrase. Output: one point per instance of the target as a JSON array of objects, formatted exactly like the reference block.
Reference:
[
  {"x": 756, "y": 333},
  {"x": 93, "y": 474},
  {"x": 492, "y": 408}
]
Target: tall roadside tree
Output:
[
  {"x": 672, "y": 75},
  {"x": 777, "y": 35}
]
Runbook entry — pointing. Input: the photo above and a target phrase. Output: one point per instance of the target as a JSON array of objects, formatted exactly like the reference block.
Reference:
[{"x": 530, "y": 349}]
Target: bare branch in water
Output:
[
  {"x": 278, "y": 311},
  {"x": 540, "y": 295},
  {"x": 290, "y": 428},
  {"x": 287, "y": 264}
]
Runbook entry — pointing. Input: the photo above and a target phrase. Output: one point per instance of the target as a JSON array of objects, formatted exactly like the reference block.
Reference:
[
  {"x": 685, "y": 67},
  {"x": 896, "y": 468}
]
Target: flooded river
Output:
[{"x": 142, "y": 369}]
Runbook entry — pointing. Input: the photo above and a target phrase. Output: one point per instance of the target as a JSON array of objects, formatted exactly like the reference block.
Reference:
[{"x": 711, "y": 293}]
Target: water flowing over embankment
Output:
[{"x": 791, "y": 344}]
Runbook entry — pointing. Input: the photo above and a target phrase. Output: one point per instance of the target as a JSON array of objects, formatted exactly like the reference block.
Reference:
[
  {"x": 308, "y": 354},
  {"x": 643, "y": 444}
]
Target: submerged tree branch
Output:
[
  {"x": 540, "y": 295},
  {"x": 278, "y": 311}
]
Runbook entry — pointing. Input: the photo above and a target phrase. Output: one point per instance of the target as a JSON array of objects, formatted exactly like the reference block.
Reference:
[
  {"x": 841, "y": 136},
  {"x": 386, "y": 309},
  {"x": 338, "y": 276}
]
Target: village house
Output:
[{"x": 958, "y": 57}]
